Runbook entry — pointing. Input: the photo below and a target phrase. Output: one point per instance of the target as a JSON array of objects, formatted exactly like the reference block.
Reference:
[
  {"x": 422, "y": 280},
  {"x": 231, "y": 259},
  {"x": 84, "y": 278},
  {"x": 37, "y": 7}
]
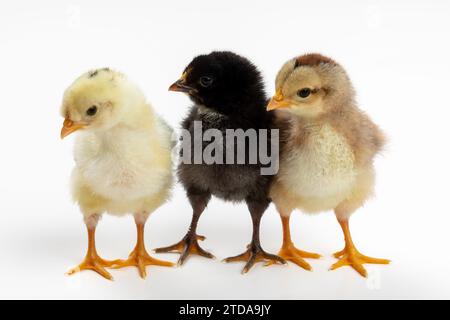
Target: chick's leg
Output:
[
  {"x": 255, "y": 252},
  {"x": 288, "y": 251},
  {"x": 139, "y": 257},
  {"x": 350, "y": 256},
  {"x": 92, "y": 261},
  {"x": 189, "y": 244}
]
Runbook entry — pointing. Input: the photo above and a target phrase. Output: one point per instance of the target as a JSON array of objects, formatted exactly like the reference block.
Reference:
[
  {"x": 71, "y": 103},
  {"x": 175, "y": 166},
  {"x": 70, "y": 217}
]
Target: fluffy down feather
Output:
[
  {"x": 328, "y": 147},
  {"x": 123, "y": 156}
]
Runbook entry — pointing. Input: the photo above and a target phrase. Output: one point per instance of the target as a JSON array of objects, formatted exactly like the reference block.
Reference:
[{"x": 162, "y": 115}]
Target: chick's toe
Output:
[
  {"x": 140, "y": 258},
  {"x": 292, "y": 254},
  {"x": 94, "y": 263},
  {"x": 356, "y": 260},
  {"x": 350, "y": 256},
  {"x": 187, "y": 246},
  {"x": 254, "y": 255}
]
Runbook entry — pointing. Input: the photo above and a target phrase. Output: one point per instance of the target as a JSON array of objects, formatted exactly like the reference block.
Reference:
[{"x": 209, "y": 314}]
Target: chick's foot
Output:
[
  {"x": 140, "y": 258},
  {"x": 93, "y": 262},
  {"x": 288, "y": 251},
  {"x": 187, "y": 246},
  {"x": 292, "y": 254},
  {"x": 253, "y": 255},
  {"x": 351, "y": 257}
]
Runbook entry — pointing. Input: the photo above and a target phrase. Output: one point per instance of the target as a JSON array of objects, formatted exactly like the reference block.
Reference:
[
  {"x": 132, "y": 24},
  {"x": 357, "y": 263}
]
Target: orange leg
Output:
[
  {"x": 92, "y": 261},
  {"x": 350, "y": 256},
  {"x": 289, "y": 252},
  {"x": 139, "y": 257}
]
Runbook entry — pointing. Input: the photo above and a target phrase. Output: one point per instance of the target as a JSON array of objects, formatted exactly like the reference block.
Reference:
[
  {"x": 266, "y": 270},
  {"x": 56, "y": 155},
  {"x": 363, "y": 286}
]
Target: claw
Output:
[
  {"x": 189, "y": 245},
  {"x": 354, "y": 259},
  {"x": 253, "y": 255},
  {"x": 350, "y": 256},
  {"x": 94, "y": 263},
  {"x": 290, "y": 253},
  {"x": 141, "y": 259},
  {"x": 339, "y": 254}
]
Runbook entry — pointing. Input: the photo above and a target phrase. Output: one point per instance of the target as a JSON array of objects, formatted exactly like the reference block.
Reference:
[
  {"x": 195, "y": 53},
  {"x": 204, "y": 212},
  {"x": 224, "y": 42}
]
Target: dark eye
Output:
[
  {"x": 304, "y": 93},
  {"x": 206, "y": 81},
  {"x": 91, "y": 111}
]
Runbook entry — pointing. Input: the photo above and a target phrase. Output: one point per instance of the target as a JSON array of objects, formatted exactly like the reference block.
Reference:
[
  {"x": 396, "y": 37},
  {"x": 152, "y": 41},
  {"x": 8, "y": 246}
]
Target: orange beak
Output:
[
  {"x": 70, "y": 127},
  {"x": 278, "y": 102}
]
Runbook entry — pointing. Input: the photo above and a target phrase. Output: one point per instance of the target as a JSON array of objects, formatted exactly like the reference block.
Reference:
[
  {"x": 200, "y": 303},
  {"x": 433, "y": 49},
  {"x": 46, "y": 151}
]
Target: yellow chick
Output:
[
  {"x": 327, "y": 153},
  {"x": 123, "y": 159}
]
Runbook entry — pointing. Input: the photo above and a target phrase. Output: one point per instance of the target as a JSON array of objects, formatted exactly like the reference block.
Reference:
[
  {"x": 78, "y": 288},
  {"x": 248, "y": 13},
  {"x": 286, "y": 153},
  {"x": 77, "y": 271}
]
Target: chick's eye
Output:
[
  {"x": 206, "y": 81},
  {"x": 91, "y": 111},
  {"x": 304, "y": 93}
]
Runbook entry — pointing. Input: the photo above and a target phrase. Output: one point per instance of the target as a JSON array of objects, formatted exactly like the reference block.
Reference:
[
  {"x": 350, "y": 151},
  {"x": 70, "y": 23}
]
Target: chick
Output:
[
  {"x": 123, "y": 159},
  {"x": 327, "y": 155},
  {"x": 228, "y": 93}
]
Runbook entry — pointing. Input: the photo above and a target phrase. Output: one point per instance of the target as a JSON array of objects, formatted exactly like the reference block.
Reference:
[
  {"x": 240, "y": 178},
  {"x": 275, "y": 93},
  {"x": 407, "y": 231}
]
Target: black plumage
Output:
[{"x": 228, "y": 93}]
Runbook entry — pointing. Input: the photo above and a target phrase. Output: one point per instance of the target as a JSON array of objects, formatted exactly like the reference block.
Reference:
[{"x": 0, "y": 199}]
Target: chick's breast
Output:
[
  {"x": 124, "y": 164},
  {"x": 228, "y": 181},
  {"x": 323, "y": 168}
]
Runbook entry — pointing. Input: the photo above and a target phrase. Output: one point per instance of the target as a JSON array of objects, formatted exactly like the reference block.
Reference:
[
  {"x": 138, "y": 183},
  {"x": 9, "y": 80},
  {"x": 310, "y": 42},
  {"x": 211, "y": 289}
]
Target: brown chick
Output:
[{"x": 327, "y": 153}]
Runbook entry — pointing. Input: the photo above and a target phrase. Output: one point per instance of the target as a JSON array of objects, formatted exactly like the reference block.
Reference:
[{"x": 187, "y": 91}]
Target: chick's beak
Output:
[
  {"x": 70, "y": 127},
  {"x": 278, "y": 102},
  {"x": 180, "y": 85}
]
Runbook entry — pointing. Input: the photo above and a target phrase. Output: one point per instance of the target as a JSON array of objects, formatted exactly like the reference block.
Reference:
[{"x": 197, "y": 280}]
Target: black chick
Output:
[{"x": 228, "y": 93}]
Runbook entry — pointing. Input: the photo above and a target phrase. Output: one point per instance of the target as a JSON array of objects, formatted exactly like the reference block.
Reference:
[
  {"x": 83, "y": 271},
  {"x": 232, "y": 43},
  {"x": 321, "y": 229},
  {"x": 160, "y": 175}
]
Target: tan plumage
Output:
[
  {"x": 122, "y": 154},
  {"x": 328, "y": 149}
]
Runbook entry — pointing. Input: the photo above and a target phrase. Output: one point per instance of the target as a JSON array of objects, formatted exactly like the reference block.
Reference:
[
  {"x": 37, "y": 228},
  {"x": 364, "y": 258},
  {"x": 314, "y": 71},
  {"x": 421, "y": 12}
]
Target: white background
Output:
[{"x": 397, "y": 54}]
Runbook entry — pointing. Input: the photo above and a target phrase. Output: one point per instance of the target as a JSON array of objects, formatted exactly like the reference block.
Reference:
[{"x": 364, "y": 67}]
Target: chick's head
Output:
[
  {"x": 311, "y": 85},
  {"x": 98, "y": 100},
  {"x": 222, "y": 81}
]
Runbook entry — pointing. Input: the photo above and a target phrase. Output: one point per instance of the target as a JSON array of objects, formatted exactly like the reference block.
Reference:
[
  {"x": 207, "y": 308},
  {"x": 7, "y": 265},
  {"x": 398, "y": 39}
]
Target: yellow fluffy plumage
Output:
[{"x": 122, "y": 154}]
